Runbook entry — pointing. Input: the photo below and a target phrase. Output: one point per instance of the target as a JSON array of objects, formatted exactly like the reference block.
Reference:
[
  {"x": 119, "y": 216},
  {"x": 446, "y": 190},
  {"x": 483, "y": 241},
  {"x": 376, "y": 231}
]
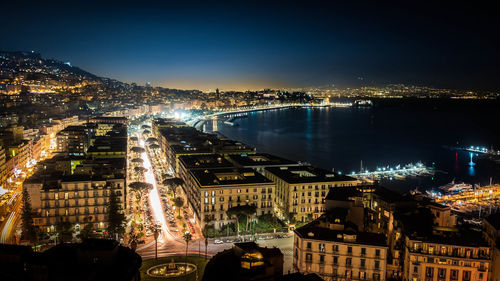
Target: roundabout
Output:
[{"x": 171, "y": 270}]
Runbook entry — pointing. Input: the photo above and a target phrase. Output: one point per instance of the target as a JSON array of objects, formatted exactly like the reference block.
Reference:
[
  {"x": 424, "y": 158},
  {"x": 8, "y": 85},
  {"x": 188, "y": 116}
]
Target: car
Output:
[{"x": 217, "y": 241}]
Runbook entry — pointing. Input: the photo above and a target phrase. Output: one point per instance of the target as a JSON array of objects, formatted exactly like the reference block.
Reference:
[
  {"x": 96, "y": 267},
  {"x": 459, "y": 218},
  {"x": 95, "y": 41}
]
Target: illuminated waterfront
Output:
[{"x": 385, "y": 135}]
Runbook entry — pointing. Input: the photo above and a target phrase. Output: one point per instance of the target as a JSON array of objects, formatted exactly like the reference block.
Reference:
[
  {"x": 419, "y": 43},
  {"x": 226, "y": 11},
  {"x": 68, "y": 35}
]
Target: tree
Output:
[
  {"x": 116, "y": 218},
  {"x": 234, "y": 212},
  {"x": 249, "y": 211},
  {"x": 187, "y": 237},
  {"x": 208, "y": 220},
  {"x": 174, "y": 183},
  {"x": 29, "y": 230},
  {"x": 137, "y": 160},
  {"x": 140, "y": 188},
  {"x": 65, "y": 230},
  {"x": 179, "y": 202},
  {"x": 86, "y": 232},
  {"x": 154, "y": 146},
  {"x": 138, "y": 149},
  {"x": 139, "y": 169}
]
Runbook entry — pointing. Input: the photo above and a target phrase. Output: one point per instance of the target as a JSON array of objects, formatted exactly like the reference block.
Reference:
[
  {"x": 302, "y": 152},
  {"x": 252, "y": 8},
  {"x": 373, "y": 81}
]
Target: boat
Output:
[
  {"x": 456, "y": 187},
  {"x": 363, "y": 103}
]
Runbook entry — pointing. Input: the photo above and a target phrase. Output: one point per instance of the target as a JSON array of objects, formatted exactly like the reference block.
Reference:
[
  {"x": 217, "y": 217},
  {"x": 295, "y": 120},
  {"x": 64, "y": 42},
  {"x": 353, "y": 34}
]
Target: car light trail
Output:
[
  {"x": 154, "y": 197},
  {"x": 7, "y": 227}
]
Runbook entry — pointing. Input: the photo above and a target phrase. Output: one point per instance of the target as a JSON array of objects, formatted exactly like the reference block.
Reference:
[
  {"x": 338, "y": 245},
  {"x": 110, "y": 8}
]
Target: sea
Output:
[{"x": 392, "y": 132}]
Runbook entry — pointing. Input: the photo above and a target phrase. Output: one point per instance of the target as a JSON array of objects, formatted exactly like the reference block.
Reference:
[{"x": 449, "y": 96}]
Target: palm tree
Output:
[
  {"x": 187, "y": 237},
  {"x": 207, "y": 219}
]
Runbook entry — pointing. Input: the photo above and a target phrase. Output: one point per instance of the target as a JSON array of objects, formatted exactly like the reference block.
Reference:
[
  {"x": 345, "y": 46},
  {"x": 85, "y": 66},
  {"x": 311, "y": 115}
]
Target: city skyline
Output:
[{"x": 242, "y": 47}]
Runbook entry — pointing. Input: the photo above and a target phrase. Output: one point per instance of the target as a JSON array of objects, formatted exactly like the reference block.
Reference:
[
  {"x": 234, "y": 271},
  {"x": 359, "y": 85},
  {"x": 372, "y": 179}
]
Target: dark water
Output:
[{"x": 390, "y": 133}]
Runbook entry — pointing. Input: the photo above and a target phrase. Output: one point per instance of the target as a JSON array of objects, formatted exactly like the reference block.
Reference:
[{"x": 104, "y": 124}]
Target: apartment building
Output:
[
  {"x": 211, "y": 192},
  {"x": 77, "y": 199},
  {"x": 332, "y": 247},
  {"x": 301, "y": 190},
  {"x": 450, "y": 255}
]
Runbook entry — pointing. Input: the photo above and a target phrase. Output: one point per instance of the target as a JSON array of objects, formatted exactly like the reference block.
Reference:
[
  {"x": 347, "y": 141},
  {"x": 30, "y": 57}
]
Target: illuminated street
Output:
[{"x": 154, "y": 198}]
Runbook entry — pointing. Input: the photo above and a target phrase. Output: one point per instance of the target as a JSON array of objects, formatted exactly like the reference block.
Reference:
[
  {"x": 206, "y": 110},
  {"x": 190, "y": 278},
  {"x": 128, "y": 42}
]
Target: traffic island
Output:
[{"x": 173, "y": 268}]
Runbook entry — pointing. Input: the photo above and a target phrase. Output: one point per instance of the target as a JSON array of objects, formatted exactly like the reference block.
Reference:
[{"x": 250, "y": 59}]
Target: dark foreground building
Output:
[
  {"x": 245, "y": 261},
  {"x": 92, "y": 260}
]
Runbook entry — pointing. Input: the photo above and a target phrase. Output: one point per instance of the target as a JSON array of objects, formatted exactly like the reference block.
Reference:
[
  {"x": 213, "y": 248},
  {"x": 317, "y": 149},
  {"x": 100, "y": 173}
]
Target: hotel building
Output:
[
  {"x": 211, "y": 192},
  {"x": 300, "y": 190}
]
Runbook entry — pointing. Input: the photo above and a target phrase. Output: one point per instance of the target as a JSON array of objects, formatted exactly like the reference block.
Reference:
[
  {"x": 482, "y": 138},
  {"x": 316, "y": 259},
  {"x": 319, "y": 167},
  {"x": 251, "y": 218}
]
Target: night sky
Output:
[{"x": 243, "y": 45}]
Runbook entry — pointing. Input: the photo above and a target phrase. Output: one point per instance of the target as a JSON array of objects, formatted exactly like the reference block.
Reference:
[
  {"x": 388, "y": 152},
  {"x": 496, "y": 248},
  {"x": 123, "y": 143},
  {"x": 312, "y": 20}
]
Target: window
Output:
[
  {"x": 441, "y": 273},
  {"x": 454, "y": 274},
  {"x": 415, "y": 269},
  {"x": 429, "y": 271},
  {"x": 362, "y": 275},
  {"x": 309, "y": 257},
  {"x": 348, "y": 261},
  {"x": 335, "y": 260},
  {"x": 321, "y": 247},
  {"x": 363, "y": 251},
  {"x": 377, "y": 253},
  {"x": 335, "y": 248},
  {"x": 466, "y": 275},
  {"x": 321, "y": 258},
  {"x": 376, "y": 276},
  {"x": 349, "y": 250},
  {"x": 363, "y": 262},
  {"x": 377, "y": 264},
  {"x": 66, "y": 196},
  {"x": 309, "y": 245}
]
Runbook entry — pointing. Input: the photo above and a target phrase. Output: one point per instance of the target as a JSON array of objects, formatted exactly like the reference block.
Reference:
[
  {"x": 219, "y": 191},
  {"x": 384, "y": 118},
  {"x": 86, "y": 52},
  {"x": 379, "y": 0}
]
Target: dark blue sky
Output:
[{"x": 236, "y": 44}]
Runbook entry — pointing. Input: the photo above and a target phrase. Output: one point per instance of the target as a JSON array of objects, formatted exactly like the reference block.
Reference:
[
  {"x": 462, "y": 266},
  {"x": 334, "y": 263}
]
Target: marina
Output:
[{"x": 398, "y": 172}]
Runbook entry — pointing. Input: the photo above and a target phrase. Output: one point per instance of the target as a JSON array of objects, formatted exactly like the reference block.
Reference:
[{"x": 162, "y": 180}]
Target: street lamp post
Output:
[{"x": 156, "y": 232}]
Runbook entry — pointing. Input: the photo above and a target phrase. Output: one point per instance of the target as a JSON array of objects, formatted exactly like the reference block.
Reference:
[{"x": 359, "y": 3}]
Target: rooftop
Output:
[
  {"x": 210, "y": 161},
  {"x": 220, "y": 177},
  {"x": 307, "y": 174},
  {"x": 260, "y": 159},
  {"x": 316, "y": 230}
]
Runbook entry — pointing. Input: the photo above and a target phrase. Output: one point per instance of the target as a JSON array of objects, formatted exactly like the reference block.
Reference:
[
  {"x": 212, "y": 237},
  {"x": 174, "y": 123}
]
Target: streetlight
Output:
[{"x": 156, "y": 233}]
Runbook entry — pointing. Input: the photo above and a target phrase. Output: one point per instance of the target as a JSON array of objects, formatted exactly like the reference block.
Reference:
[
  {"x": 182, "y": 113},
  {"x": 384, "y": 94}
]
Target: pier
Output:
[{"x": 397, "y": 172}]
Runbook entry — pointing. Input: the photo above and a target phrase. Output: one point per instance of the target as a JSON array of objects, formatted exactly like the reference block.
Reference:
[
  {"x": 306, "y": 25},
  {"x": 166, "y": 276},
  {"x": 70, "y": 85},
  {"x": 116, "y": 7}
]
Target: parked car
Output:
[{"x": 217, "y": 241}]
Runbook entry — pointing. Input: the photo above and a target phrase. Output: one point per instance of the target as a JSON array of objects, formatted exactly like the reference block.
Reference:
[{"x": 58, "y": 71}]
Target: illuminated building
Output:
[
  {"x": 450, "y": 255},
  {"x": 300, "y": 191},
  {"x": 211, "y": 192},
  {"x": 491, "y": 233},
  {"x": 78, "y": 199},
  {"x": 74, "y": 140},
  {"x": 333, "y": 247}
]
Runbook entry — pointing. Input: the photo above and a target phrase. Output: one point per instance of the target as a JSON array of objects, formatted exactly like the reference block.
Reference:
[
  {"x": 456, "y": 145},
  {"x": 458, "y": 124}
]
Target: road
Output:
[
  {"x": 169, "y": 244},
  {"x": 9, "y": 225},
  {"x": 197, "y": 247}
]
